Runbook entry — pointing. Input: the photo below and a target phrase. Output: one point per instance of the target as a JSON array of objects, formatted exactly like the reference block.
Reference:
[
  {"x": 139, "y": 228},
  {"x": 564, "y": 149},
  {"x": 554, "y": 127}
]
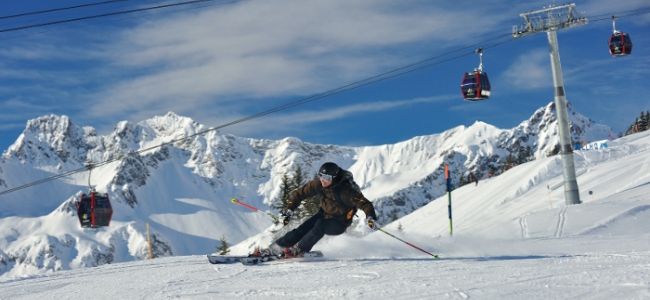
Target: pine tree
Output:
[
  {"x": 643, "y": 121},
  {"x": 640, "y": 124},
  {"x": 298, "y": 178},
  {"x": 309, "y": 206},
  {"x": 637, "y": 125},
  {"x": 285, "y": 189},
  {"x": 631, "y": 129},
  {"x": 223, "y": 247}
]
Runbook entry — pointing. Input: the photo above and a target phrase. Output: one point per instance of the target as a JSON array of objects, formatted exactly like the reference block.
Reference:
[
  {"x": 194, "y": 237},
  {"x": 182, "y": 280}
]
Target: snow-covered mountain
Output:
[
  {"x": 513, "y": 239},
  {"x": 182, "y": 189}
]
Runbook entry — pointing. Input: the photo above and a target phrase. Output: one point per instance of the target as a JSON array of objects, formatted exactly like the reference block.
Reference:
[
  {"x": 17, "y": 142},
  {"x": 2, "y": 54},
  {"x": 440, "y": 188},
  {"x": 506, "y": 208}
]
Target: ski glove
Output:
[
  {"x": 371, "y": 223},
  {"x": 286, "y": 216}
]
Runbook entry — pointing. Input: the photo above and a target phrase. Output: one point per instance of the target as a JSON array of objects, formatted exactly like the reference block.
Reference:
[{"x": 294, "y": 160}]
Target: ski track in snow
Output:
[
  {"x": 561, "y": 219},
  {"x": 524, "y": 226}
]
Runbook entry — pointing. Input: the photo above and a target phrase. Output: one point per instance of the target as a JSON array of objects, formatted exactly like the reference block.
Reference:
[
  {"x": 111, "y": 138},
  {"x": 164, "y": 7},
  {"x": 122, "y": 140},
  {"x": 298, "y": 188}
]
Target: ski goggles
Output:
[{"x": 325, "y": 177}]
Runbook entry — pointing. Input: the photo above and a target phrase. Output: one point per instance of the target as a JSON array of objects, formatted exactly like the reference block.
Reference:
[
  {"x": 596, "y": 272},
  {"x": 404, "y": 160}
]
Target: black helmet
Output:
[{"x": 328, "y": 169}]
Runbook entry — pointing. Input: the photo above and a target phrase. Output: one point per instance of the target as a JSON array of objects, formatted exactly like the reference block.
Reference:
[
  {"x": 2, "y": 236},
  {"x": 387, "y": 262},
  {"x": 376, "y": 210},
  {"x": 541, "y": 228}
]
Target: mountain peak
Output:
[
  {"x": 49, "y": 125},
  {"x": 172, "y": 124},
  {"x": 480, "y": 126},
  {"x": 541, "y": 133},
  {"x": 50, "y": 136}
]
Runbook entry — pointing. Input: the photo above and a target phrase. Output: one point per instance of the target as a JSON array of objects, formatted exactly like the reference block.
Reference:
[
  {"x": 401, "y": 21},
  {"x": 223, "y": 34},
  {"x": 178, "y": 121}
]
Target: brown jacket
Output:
[{"x": 339, "y": 200}]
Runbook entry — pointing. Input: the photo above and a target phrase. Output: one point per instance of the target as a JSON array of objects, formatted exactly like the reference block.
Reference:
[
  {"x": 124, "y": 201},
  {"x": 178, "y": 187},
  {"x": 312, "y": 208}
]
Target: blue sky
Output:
[{"x": 224, "y": 60}]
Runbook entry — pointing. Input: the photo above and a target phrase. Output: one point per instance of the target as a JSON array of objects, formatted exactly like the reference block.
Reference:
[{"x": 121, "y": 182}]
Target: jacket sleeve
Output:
[
  {"x": 359, "y": 201},
  {"x": 309, "y": 189}
]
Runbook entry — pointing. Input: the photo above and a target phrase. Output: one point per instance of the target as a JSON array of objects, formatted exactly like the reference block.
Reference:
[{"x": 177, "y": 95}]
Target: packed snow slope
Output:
[{"x": 514, "y": 238}]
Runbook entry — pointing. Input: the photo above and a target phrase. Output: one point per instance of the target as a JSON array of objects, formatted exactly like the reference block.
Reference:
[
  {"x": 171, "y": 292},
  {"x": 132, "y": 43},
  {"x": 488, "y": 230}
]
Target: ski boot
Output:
[
  {"x": 273, "y": 250},
  {"x": 291, "y": 252}
]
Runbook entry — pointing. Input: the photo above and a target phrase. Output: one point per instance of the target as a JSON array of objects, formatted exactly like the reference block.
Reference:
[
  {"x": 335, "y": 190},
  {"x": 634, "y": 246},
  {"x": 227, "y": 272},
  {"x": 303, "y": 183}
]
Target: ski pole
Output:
[
  {"x": 405, "y": 242},
  {"x": 449, "y": 188},
  {"x": 253, "y": 208}
]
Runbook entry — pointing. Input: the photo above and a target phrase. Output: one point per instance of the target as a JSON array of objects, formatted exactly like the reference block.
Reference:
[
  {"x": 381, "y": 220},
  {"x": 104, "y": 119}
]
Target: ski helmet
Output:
[{"x": 328, "y": 171}]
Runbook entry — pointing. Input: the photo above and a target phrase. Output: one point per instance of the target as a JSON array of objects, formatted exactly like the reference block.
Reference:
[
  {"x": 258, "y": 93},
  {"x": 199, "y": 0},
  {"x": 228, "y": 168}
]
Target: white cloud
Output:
[
  {"x": 529, "y": 71},
  {"x": 296, "y": 121},
  {"x": 260, "y": 49}
]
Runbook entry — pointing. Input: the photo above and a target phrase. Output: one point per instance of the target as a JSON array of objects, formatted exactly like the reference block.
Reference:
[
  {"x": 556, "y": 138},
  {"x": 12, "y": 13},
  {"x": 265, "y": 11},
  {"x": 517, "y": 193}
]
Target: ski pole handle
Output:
[{"x": 405, "y": 242}]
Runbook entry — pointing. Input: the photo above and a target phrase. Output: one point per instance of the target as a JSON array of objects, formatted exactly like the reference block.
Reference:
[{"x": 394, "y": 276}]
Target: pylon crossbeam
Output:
[{"x": 549, "y": 19}]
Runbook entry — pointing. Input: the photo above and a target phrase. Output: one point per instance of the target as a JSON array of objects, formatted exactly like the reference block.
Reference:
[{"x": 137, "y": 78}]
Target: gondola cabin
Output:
[
  {"x": 475, "y": 86},
  {"x": 620, "y": 44},
  {"x": 94, "y": 210}
]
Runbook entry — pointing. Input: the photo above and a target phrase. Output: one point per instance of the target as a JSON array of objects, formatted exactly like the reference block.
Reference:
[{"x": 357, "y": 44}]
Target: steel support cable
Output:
[
  {"x": 122, "y": 12},
  {"x": 620, "y": 14},
  {"x": 46, "y": 29},
  {"x": 38, "y": 12},
  {"x": 44, "y": 180}
]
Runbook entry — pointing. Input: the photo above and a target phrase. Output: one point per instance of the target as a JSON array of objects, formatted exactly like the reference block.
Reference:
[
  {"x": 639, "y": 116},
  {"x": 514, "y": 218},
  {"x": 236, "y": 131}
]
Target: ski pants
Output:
[{"x": 311, "y": 231}]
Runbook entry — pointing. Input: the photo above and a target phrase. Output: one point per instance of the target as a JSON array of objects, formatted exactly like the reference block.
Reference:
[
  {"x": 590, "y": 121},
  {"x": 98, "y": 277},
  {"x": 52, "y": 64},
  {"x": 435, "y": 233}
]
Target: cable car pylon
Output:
[{"x": 550, "y": 20}]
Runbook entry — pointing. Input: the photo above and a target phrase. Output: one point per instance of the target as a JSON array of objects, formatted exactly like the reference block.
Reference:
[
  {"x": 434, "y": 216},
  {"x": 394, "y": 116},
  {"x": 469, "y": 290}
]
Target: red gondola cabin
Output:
[
  {"x": 94, "y": 210},
  {"x": 620, "y": 44},
  {"x": 475, "y": 86}
]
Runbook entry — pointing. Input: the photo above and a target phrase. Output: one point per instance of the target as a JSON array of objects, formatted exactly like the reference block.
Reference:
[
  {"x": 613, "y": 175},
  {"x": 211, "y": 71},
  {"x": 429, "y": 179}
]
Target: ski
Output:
[
  {"x": 224, "y": 259},
  {"x": 256, "y": 260}
]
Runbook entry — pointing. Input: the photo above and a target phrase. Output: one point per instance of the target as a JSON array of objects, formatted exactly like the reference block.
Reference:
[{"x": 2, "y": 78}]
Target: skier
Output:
[{"x": 341, "y": 197}]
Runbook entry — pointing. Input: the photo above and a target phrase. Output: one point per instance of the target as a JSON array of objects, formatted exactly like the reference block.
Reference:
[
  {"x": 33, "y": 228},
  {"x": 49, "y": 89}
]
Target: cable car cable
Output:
[
  {"x": 38, "y": 12},
  {"x": 115, "y": 13},
  {"x": 46, "y": 29},
  {"x": 620, "y": 14}
]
